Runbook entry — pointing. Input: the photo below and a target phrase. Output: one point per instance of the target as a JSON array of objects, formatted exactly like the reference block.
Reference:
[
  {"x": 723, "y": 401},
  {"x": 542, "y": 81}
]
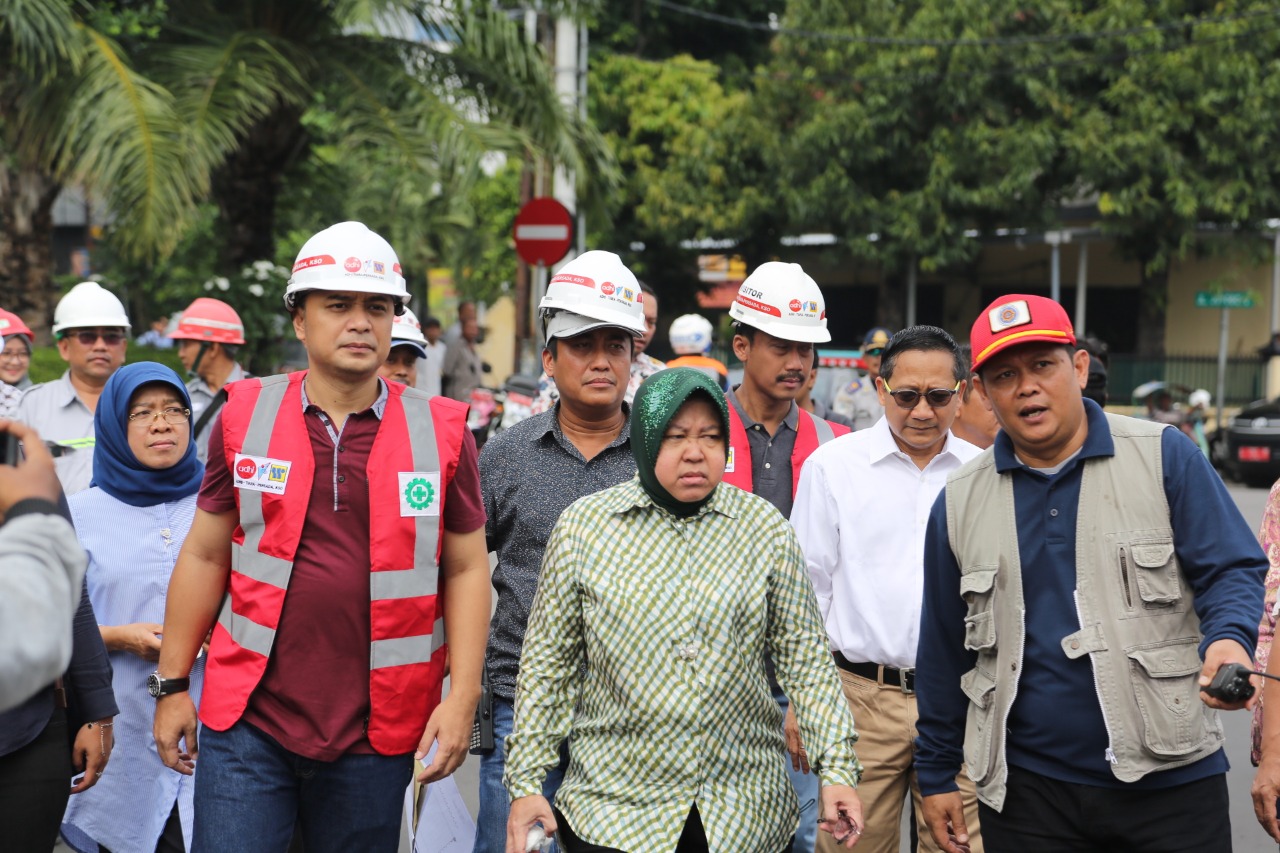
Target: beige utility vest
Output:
[{"x": 1137, "y": 622}]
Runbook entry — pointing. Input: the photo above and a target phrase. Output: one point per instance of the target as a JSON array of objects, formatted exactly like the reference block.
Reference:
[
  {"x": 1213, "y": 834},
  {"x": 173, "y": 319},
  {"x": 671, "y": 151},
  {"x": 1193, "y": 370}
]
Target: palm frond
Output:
[{"x": 36, "y": 36}]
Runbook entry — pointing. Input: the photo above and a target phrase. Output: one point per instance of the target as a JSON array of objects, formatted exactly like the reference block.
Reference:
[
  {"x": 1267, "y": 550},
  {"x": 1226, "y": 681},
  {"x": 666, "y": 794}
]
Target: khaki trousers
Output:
[{"x": 885, "y": 718}]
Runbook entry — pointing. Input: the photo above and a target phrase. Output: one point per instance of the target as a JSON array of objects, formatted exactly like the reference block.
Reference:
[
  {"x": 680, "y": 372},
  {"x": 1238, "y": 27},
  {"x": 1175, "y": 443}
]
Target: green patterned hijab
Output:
[{"x": 656, "y": 403}]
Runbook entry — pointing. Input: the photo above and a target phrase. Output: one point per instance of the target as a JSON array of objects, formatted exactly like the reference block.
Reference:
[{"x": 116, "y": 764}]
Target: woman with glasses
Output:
[
  {"x": 132, "y": 522},
  {"x": 646, "y": 648},
  {"x": 15, "y": 358}
]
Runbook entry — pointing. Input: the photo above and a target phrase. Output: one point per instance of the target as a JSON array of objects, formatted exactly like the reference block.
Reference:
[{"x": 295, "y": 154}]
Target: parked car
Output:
[{"x": 1252, "y": 450}]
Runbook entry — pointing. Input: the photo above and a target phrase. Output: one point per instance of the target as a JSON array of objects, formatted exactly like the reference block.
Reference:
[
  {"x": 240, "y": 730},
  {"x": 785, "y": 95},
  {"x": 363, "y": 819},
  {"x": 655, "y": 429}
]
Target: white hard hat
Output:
[
  {"x": 406, "y": 331},
  {"x": 89, "y": 305},
  {"x": 347, "y": 256},
  {"x": 690, "y": 335},
  {"x": 1200, "y": 398},
  {"x": 781, "y": 299},
  {"x": 599, "y": 289}
]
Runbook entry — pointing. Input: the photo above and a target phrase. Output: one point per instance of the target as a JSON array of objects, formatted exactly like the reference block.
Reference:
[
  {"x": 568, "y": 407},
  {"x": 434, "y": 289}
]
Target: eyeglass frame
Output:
[
  {"x": 951, "y": 394},
  {"x": 148, "y": 417},
  {"x": 111, "y": 339},
  {"x": 25, "y": 355}
]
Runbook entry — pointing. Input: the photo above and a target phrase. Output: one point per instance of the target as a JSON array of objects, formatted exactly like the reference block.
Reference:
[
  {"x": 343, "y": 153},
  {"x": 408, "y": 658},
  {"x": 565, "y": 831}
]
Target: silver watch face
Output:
[{"x": 153, "y": 685}]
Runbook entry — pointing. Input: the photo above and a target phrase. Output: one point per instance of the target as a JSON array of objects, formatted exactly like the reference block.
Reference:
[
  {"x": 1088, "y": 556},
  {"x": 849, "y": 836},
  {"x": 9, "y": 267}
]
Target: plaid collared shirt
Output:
[{"x": 646, "y": 648}]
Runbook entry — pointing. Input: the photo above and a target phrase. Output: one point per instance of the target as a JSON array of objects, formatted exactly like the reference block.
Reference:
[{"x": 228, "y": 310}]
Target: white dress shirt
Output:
[{"x": 860, "y": 514}]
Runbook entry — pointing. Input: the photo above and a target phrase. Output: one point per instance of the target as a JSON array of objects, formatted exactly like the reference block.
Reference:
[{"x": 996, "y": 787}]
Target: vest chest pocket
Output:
[
  {"x": 1165, "y": 685},
  {"x": 1155, "y": 571},
  {"x": 976, "y": 588}
]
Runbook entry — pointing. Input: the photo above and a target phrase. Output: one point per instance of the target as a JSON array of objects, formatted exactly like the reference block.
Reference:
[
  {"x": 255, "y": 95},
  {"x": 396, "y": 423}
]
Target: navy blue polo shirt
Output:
[{"x": 1055, "y": 726}]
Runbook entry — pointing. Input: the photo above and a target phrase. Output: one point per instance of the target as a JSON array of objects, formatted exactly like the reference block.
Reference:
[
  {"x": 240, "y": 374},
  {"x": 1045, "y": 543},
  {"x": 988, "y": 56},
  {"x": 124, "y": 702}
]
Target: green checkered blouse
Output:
[{"x": 670, "y": 619}]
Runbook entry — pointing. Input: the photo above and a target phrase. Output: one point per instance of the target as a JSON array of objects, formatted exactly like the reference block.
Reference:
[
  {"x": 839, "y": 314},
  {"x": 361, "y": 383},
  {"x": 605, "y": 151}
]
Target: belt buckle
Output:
[{"x": 907, "y": 681}]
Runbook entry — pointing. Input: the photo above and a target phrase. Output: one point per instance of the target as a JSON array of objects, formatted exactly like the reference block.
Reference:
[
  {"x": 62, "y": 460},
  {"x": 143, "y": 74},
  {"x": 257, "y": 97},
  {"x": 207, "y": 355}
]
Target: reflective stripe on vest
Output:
[
  {"x": 407, "y": 641},
  {"x": 811, "y": 433}
]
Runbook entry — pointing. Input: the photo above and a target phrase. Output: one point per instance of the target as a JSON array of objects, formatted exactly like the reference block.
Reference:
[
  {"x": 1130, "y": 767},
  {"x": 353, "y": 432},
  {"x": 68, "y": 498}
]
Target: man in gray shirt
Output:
[{"x": 530, "y": 473}]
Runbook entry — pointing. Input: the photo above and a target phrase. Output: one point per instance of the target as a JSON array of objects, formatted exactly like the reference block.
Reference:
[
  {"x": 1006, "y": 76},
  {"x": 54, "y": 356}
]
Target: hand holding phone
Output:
[{"x": 32, "y": 477}]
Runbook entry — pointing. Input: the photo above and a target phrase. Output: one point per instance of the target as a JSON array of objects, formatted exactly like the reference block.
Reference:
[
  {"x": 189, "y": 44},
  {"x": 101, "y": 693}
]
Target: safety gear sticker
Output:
[
  {"x": 728, "y": 463},
  {"x": 260, "y": 474},
  {"x": 419, "y": 493}
]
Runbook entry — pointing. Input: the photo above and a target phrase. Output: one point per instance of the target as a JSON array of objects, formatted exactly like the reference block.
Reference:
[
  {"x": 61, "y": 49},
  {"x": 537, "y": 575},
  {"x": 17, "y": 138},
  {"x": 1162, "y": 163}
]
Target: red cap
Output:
[
  {"x": 1018, "y": 319},
  {"x": 11, "y": 324}
]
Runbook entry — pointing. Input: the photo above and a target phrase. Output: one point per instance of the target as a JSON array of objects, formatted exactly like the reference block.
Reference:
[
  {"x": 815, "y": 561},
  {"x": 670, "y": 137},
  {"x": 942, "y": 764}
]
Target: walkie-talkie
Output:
[{"x": 482, "y": 728}]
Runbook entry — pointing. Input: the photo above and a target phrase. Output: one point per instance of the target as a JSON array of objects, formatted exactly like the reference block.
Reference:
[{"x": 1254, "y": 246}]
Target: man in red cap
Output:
[{"x": 1071, "y": 688}]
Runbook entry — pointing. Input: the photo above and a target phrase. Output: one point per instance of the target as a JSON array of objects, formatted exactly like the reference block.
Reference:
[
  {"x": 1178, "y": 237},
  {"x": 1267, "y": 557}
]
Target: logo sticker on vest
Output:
[
  {"x": 419, "y": 493},
  {"x": 260, "y": 474},
  {"x": 728, "y": 462}
]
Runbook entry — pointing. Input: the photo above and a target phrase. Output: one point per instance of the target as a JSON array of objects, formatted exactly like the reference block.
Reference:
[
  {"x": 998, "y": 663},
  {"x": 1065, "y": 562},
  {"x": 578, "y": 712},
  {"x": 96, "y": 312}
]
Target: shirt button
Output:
[
  {"x": 342, "y": 448},
  {"x": 342, "y": 478},
  {"x": 1053, "y": 513},
  {"x": 1075, "y": 644},
  {"x": 768, "y": 465}
]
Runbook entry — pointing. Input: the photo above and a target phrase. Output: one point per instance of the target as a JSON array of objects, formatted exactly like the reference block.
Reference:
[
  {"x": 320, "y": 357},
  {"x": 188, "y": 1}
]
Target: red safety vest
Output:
[
  {"x": 268, "y": 450},
  {"x": 811, "y": 433}
]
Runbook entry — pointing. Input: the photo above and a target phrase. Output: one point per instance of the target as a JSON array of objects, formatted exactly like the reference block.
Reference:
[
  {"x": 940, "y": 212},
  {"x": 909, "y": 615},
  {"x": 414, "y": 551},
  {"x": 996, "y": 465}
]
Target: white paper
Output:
[{"x": 444, "y": 824}]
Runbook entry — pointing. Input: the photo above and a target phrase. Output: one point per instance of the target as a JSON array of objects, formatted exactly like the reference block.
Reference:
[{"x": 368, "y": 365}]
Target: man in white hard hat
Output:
[
  {"x": 779, "y": 316},
  {"x": 690, "y": 337},
  {"x": 92, "y": 331},
  {"x": 643, "y": 365},
  {"x": 339, "y": 532},
  {"x": 408, "y": 345},
  {"x": 531, "y": 472},
  {"x": 209, "y": 335}
]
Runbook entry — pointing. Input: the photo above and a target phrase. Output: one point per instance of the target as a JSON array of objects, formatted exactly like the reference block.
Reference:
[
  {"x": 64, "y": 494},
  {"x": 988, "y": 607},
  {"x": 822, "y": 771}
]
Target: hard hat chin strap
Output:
[{"x": 195, "y": 365}]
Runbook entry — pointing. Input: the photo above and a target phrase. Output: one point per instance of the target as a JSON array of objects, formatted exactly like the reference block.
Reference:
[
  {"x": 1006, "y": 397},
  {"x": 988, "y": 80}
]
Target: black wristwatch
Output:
[{"x": 158, "y": 686}]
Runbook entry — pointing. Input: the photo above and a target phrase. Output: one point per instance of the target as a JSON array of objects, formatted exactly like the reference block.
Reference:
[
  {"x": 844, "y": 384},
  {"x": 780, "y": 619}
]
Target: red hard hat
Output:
[
  {"x": 210, "y": 320},
  {"x": 11, "y": 324}
]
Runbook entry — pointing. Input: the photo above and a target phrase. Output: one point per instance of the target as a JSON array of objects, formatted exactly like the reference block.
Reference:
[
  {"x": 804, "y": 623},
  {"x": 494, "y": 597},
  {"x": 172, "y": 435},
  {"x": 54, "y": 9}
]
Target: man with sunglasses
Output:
[
  {"x": 92, "y": 331},
  {"x": 1085, "y": 578},
  {"x": 860, "y": 512},
  {"x": 859, "y": 401}
]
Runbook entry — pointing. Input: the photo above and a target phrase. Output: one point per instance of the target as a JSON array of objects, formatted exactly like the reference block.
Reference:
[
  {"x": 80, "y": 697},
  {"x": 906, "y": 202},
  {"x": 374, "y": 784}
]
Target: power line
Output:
[{"x": 1004, "y": 41}]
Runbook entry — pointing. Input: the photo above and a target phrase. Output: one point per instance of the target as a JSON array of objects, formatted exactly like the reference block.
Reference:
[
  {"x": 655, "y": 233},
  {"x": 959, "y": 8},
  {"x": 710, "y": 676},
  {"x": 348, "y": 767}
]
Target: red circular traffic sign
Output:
[{"x": 543, "y": 231}]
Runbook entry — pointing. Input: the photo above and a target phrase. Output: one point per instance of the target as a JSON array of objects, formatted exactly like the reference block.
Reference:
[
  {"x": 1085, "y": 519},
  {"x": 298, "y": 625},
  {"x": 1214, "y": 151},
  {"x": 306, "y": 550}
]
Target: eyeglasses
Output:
[
  {"x": 173, "y": 416},
  {"x": 16, "y": 355},
  {"x": 874, "y": 351},
  {"x": 909, "y": 398},
  {"x": 88, "y": 337}
]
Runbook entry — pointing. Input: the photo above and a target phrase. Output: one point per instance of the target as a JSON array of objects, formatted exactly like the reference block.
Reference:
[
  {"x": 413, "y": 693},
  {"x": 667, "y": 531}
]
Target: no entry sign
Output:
[{"x": 543, "y": 231}]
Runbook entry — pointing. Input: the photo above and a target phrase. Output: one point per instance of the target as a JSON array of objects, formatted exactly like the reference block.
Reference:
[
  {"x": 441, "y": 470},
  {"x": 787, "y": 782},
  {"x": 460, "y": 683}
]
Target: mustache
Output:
[{"x": 794, "y": 374}]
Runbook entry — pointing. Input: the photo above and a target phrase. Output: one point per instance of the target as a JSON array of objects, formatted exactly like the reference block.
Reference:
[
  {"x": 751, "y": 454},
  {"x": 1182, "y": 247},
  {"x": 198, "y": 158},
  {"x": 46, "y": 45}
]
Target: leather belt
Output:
[{"x": 903, "y": 679}]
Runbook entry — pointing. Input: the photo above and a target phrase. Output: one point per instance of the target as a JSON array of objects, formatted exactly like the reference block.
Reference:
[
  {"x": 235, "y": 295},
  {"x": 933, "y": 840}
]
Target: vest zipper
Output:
[
  {"x": 1109, "y": 754},
  {"x": 1124, "y": 577},
  {"x": 1004, "y": 724}
]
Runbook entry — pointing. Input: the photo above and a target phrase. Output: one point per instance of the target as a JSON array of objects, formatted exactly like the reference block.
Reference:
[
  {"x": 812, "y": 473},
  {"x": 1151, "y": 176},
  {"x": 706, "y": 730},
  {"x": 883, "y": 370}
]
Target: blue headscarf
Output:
[{"x": 115, "y": 469}]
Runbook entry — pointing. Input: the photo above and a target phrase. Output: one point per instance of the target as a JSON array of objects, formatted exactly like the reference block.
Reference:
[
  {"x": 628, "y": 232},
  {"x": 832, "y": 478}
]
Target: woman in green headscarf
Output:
[{"x": 646, "y": 644}]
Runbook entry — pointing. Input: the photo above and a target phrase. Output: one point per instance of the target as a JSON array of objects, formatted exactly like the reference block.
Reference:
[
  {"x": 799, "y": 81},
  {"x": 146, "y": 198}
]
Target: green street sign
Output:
[{"x": 1224, "y": 299}]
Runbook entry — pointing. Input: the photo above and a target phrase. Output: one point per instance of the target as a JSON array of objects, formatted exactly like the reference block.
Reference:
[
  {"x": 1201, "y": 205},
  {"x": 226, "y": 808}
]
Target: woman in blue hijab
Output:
[{"x": 132, "y": 522}]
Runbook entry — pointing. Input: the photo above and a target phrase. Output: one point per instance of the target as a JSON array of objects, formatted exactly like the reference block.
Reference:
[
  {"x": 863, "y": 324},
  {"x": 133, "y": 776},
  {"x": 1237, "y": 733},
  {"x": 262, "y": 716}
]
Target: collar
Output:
[
  {"x": 551, "y": 426},
  {"x": 67, "y": 392},
  {"x": 633, "y": 496},
  {"x": 881, "y": 444},
  {"x": 791, "y": 420},
  {"x": 379, "y": 405},
  {"x": 1097, "y": 442},
  {"x": 237, "y": 373}
]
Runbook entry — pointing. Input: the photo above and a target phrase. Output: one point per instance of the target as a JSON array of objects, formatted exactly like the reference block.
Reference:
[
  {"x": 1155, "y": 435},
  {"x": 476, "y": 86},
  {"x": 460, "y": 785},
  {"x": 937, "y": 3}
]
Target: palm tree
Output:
[
  {"x": 73, "y": 110},
  {"x": 419, "y": 91}
]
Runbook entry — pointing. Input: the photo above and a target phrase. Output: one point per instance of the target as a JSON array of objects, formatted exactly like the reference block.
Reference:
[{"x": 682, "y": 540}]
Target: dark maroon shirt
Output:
[{"x": 313, "y": 698}]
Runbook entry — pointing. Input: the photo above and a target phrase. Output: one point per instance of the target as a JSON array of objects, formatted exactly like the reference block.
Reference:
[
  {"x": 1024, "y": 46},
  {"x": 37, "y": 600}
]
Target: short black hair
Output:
[
  {"x": 966, "y": 353},
  {"x": 815, "y": 358},
  {"x": 431, "y": 322},
  {"x": 746, "y": 330},
  {"x": 922, "y": 339}
]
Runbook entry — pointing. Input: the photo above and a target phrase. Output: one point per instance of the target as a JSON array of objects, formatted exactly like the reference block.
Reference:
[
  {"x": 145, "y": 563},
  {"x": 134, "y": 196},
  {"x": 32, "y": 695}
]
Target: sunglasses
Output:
[
  {"x": 909, "y": 398},
  {"x": 88, "y": 337},
  {"x": 874, "y": 351}
]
